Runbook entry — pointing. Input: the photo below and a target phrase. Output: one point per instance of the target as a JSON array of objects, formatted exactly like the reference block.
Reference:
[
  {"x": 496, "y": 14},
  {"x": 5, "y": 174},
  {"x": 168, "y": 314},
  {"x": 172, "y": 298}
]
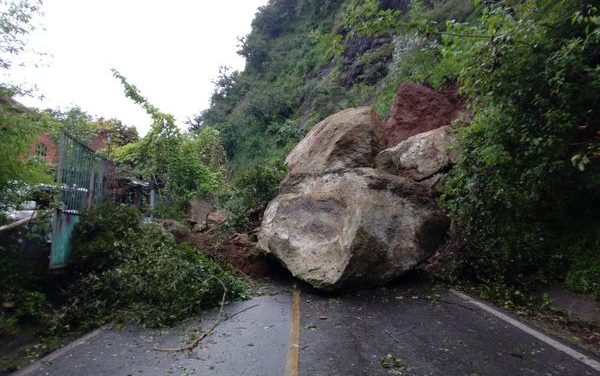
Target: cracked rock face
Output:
[
  {"x": 351, "y": 226},
  {"x": 419, "y": 157}
]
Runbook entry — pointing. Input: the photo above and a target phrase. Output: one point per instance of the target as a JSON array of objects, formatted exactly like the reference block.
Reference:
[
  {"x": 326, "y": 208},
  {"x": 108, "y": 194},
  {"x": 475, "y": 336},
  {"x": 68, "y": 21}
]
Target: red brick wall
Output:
[
  {"x": 99, "y": 141},
  {"x": 52, "y": 150}
]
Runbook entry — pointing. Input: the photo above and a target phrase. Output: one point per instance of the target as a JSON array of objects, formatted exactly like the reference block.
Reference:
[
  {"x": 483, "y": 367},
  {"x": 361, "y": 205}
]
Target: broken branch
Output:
[{"x": 196, "y": 342}]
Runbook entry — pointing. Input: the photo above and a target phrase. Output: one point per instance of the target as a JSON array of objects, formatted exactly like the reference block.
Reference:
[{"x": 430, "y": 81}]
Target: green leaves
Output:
[
  {"x": 178, "y": 165},
  {"x": 134, "y": 272},
  {"x": 527, "y": 171},
  {"x": 15, "y": 25},
  {"x": 19, "y": 171},
  {"x": 364, "y": 17}
]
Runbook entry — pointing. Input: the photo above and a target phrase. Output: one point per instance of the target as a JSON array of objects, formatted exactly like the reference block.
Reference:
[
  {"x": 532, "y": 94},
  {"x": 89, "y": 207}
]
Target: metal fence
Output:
[{"x": 83, "y": 178}]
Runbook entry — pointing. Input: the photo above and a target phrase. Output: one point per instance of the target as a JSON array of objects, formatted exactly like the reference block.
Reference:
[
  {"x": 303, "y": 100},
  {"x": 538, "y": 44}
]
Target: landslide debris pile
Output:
[{"x": 352, "y": 212}]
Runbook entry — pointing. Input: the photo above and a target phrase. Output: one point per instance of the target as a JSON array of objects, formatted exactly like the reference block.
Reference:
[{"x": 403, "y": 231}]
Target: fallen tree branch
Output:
[
  {"x": 196, "y": 342},
  {"x": 199, "y": 339},
  {"x": 19, "y": 222},
  {"x": 391, "y": 336}
]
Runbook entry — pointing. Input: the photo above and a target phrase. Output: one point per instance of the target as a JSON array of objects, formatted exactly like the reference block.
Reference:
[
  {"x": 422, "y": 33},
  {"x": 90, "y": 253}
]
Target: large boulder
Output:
[
  {"x": 417, "y": 109},
  {"x": 351, "y": 226},
  {"x": 420, "y": 157},
  {"x": 350, "y": 138},
  {"x": 199, "y": 209}
]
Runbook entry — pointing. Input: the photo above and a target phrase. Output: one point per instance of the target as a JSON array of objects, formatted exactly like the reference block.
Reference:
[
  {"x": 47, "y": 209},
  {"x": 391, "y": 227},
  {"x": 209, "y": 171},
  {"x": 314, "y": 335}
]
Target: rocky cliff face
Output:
[{"x": 351, "y": 212}]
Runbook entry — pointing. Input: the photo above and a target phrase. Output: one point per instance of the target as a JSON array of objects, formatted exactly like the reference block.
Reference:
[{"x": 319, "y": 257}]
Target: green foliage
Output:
[
  {"x": 119, "y": 134},
  {"x": 457, "y": 10},
  {"x": 286, "y": 133},
  {"x": 365, "y": 17},
  {"x": 583, "y": 253},
  {"x": 103, "y": 237},
  {"x": 248, "y": 107},
  {"x": 527, "y": 169},
  {"x": 327, "y": 46},
  {"x": 206, "y": 146},
  {"x": 18, "y": 126},
  {"x": 74, "y": 121},
  {"x": 254, "y": 187},
  {"x": 18, "y": 172},
  {"x": 29, "y": 304},
  {"x": 15, "y": 25},
  {"x": 85, "y": 127},
  {"x": 179, "y": 166},
  {"x": 148, "y": 278},
  {"x": 21, "y": 299}
]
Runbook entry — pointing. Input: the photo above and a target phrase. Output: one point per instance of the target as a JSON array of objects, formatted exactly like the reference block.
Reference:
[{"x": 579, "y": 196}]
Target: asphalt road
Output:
[{"x": 397, "y": 330}]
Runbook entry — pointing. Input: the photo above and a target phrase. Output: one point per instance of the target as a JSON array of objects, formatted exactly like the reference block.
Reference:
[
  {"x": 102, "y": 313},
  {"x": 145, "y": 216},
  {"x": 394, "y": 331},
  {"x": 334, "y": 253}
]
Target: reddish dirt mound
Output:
[
  {"x": 418, "y": 109},
  {"x": 235, "y": 250}
]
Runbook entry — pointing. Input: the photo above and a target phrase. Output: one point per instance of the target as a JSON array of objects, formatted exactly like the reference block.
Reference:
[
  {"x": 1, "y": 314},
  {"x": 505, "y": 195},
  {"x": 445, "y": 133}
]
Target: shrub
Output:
[
  {"x": 583, "y": 275},
  {"x": 20, "y": 297},
  {"x": 29, "y": 304},
  {"x": 527, "y": 171},
  {"x": 255, "y": 187}
]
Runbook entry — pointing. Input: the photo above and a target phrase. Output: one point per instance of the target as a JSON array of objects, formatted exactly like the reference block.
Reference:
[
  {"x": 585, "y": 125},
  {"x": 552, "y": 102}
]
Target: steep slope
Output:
[
  {"x": 307, "y": 59},
  {"x": 524, "y": 188}
]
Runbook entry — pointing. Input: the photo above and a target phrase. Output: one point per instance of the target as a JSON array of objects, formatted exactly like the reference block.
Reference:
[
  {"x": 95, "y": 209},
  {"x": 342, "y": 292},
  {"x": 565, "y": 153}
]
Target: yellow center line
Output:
[{"x": 294, "y": 349}]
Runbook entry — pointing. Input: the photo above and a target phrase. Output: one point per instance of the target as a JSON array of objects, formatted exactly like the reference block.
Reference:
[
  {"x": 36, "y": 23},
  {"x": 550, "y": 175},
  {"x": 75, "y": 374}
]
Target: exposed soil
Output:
[
  {"x": 418, "y": 109},
  {"x": 237, "y": 250}
]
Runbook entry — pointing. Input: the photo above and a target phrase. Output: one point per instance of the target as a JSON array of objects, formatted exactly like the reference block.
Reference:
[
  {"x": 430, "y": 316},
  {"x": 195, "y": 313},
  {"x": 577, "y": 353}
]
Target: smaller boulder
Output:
[
  {"x": 217, "y": 218},
  {"x": 420, "y": 157},
  {"x": 349, "y": 138},
  {"x": 199, "y": 209},
  {"x": 178, "y": 230}
]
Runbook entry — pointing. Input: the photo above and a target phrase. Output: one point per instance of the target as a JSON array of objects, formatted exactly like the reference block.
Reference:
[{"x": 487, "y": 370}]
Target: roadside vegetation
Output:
[
  {"x": 124, "y": 270},
  {"x": 525, "y": 191}
]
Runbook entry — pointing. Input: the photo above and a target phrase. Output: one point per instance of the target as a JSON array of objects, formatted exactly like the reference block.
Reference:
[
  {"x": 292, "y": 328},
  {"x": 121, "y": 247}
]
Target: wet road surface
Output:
[{"x": 397, "y": 330}]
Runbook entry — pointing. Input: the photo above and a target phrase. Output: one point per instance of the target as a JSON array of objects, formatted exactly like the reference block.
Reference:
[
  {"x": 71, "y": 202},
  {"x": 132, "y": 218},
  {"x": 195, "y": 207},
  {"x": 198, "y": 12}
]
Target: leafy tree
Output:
[
  {"x": 76, "y": 122},
  {"x": 19, "y": 127},
  {"x": 163, "y": 156},
  {"x": 119, "y": 133},
  {"x": 207, "y": 147},
  {"x": 15, "y": 25},
  {"x": 529, "y": 172}
]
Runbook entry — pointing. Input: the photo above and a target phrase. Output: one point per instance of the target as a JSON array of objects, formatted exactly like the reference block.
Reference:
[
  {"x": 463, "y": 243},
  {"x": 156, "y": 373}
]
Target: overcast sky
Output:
[{"x": 170, "y": 49}]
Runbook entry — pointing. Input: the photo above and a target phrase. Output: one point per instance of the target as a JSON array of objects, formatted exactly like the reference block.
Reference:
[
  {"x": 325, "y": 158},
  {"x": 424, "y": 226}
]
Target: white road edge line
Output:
[
  {"x": 62, "y": 351},
  {"x": 540, "y": 336}
]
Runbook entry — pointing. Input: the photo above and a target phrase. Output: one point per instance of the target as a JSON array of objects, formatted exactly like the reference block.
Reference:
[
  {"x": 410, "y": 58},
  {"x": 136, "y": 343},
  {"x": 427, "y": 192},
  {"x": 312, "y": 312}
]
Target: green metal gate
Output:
[{"x": 82, "y": 180}]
